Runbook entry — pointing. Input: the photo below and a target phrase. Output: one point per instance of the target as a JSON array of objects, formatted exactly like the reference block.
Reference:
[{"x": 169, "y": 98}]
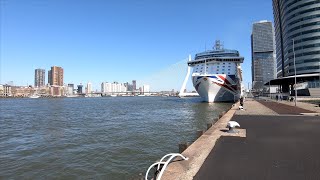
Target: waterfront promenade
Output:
[{"x": 276, "y": 142}]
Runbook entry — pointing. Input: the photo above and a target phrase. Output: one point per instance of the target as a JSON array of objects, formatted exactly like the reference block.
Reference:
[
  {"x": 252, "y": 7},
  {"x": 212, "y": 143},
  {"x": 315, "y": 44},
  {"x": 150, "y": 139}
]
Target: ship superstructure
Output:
[{"x": 217, "y": 74}]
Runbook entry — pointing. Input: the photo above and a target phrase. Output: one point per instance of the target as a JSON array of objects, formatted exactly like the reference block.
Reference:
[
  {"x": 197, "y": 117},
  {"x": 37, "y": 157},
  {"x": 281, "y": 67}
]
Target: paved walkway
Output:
[
  {"x": 252, "y": 107},
  {"x": 303, "y": 105},
  {"x": 284, "y": 108},
  {"x": 276, "y": 147},
  {"x": 274, "y": 143}
]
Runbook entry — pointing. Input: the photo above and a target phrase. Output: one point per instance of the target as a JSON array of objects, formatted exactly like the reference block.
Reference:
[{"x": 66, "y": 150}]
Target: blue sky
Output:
[{"x": 119, "y": 40}]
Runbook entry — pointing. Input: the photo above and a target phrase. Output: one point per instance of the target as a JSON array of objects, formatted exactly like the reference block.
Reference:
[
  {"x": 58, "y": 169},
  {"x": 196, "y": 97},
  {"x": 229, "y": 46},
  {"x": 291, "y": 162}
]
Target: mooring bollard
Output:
[
  {"x": 199, "y": 133},
  {"x": 209, "y": 125},
  {"x": 183, "y": 146}
]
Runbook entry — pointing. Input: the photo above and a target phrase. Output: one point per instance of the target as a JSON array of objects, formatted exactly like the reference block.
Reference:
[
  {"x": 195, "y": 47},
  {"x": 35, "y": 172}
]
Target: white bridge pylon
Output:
[{"x": 183, "y": 87}]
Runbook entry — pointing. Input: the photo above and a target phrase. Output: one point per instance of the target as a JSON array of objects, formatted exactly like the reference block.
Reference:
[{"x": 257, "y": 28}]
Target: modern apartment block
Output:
[
  {"x": 263, "y": 54},
  {"x": 70, "y": 89},
  {"x": 145, "y": 89},
  {"x": 298, "y": 22},
  {"x": 114, "y": 87},
  {"x": 39, "y": 77},
  {"x": 89, "y": 88},
  {"x": 55, "y": 76}
]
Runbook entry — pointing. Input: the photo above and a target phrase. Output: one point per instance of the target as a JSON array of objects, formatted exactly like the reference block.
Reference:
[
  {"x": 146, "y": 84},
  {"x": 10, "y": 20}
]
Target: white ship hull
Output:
[
  {"x": 217, "y": 74},
  {"x": 217, "y": 87}
]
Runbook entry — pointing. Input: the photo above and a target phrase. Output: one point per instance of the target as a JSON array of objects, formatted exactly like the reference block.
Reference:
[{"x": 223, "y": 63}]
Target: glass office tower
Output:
[
  {"x": 297, "y": 21},
  {"x": 263, "y": 55}
]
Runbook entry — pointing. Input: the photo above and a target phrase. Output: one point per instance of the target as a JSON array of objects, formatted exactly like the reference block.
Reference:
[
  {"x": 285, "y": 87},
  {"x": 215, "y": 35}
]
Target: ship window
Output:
[
  {"x": 222, "y": 66},
  {"x": 228, "y": 69},
  {"x": 224, "y": 63},
  {"x": 217, "y": 66},
  {"x": 229, "y": 63}
]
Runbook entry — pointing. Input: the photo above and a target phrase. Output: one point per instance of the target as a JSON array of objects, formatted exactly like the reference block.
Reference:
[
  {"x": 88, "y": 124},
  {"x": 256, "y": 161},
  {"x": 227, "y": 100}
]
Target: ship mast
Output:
[{"x": 218, "y": 45}]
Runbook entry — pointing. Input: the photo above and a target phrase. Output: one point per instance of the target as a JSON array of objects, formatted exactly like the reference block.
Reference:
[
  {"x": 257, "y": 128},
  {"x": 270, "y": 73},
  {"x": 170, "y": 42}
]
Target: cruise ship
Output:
[{"x": 217, "y": 74}]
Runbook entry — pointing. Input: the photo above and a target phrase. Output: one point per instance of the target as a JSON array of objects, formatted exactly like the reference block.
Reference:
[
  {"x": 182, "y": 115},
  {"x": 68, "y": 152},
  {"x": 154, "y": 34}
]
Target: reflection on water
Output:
[{"x": 108, "y": 138}]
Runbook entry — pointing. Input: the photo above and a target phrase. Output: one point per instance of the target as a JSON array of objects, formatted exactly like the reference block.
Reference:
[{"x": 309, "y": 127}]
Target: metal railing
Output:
[{"x": 162, "y": 165}]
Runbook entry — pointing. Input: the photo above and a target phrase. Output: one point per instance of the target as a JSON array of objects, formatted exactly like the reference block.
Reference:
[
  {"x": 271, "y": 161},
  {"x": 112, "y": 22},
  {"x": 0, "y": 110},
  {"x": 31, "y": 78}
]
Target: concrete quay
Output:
[{"x": 276, "y": 142}]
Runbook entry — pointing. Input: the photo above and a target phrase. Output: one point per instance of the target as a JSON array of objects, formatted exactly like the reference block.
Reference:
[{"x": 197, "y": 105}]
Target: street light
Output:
[
  {"x": 295, "y": 73},
  {"x": 269, "y": 87}
]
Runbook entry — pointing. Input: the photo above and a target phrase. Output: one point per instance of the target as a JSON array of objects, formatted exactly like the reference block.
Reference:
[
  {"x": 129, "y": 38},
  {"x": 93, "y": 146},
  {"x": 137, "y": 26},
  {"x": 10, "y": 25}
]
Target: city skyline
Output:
[{"x": 119, "y": 41}]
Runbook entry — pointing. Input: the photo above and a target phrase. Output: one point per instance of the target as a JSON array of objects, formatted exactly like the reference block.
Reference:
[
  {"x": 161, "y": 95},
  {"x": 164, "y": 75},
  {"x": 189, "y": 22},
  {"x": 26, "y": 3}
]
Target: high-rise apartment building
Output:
[
  {"x": 55, "y": 76},
  {"x": 89, "y": 87},
  {"x": 39, "y": 77},
  {"x": 79, "y": 90},
  {"x": 263, "y": 53},
  {"x": 134, "y": 85},
  {"x": 70, "y": 89},
  {"x": 49, "y": 77},
  {"x": 114, "y": 87},
  {"x": 297, "y": 21},
  {"x": 145, "y": 89}
]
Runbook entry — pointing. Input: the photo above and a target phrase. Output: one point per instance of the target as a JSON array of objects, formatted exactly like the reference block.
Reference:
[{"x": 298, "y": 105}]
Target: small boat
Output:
[
  {"x": 34, "y": 96},
  {"x": 113, "y": 95}
]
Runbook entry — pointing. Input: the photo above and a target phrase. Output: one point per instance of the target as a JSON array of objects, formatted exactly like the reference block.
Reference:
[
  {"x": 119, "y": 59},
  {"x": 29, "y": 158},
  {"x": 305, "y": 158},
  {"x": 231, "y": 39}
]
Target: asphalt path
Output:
[{"x": 276, "y": 148}]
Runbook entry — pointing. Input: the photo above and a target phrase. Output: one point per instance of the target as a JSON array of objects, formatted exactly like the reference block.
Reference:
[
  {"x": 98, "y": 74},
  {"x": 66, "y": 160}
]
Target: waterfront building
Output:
[
  {"x": 70, "y": 89},
  {"x": 114, "y": 87},
  {"x": 129, "y": 87},
  {"x": 22, "y": 91},
  {"x": 1, "y": 90},
  {"x": 106, "y": 87},
  {"x": 297, "y": 21},
  {"x": 79, "y": 91},
  {"x": 134, "y": 85},
  {"x": 49, "y": 77},
  {"x": 57, "y": 90},
  {"x": 89, "y": 87},
  {"x": 55, "y": 76},
  {"x": 263, "y": 54},
  {"x": 39, "y": 77},
  {"x": 7, "y": 90},
  {"x": 146, "y": 89}
]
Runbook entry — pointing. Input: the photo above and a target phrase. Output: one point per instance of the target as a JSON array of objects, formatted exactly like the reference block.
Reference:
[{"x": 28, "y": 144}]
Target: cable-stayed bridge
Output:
[{"x": 172, "y": 77}]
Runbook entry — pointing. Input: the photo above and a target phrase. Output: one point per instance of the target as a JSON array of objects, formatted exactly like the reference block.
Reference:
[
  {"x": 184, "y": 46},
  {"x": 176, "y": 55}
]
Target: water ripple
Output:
[{"x": 95, "y": 138}]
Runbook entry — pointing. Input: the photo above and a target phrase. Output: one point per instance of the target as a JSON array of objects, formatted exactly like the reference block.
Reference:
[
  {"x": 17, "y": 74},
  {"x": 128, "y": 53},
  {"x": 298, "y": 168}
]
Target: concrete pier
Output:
[{"x": 277, "y": 141}]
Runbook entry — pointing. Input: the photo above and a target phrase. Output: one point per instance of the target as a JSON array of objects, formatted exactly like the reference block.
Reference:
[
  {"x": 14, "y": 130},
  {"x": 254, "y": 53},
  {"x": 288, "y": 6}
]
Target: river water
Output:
[{"x": 95, "y": 138}]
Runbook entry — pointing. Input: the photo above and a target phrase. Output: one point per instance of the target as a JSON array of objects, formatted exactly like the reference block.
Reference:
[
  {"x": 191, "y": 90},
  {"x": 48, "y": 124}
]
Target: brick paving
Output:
[
  {"x": 284, "y": 108},
  {"x": 252, "y": 107}
]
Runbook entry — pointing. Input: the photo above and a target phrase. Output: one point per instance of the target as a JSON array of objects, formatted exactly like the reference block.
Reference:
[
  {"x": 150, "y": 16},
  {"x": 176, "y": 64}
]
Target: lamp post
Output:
[
  {"x": 295, "y": 74},
  {"x": 269, "y": 86}
]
